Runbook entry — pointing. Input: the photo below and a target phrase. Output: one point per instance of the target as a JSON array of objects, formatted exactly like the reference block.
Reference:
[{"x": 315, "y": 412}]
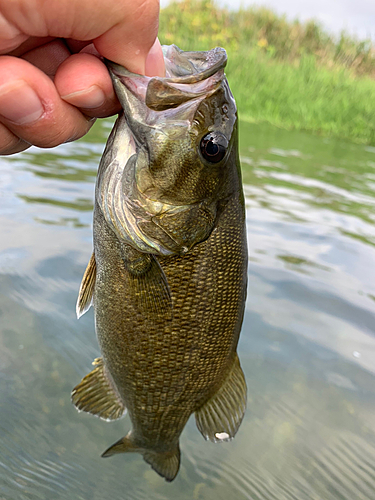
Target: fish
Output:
[{"x": 168, "y": 273}]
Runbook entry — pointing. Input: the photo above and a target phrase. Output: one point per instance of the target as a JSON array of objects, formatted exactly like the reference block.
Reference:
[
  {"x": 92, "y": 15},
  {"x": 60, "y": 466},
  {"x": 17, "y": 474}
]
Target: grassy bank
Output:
[{"x": 290, "y": 74}]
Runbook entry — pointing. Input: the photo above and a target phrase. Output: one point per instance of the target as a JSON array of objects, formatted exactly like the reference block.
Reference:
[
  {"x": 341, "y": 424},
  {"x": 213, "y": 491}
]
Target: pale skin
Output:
[{"x": 53, "y": 83}]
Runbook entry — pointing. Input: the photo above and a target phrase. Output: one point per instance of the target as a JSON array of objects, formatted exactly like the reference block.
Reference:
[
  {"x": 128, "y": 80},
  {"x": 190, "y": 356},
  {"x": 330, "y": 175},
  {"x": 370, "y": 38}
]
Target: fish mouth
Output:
[{"x": 189, "y": 76}]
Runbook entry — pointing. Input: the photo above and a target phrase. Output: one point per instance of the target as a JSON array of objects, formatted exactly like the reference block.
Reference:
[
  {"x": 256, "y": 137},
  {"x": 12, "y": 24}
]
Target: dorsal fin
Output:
[
  {"x": 86, "y": 289},
  {"x": 96, "y": 394}
]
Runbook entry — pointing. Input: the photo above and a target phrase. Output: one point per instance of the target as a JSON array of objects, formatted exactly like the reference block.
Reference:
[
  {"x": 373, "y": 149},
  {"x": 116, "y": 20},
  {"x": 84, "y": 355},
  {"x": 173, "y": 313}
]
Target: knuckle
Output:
[
  {"x": 56, "y": 135},
  {"x": 81, "y": 131},
  {"x": 10, "y": 143}
]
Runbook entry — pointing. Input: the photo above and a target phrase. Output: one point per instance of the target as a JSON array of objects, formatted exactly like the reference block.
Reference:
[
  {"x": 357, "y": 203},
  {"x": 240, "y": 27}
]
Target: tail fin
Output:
[
  {"x": 166, "y": 463},
  {"x": 123, "y": 445}
]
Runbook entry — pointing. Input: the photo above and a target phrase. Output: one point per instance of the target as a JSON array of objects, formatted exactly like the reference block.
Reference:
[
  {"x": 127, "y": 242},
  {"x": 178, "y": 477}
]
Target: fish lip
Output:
[
  {"x": 189, "y": 76},
  {"x": 207, "y": 63}
]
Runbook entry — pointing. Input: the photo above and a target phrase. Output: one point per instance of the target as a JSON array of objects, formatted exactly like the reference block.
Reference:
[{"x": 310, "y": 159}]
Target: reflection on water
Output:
[{"x": 307, "y": 345}]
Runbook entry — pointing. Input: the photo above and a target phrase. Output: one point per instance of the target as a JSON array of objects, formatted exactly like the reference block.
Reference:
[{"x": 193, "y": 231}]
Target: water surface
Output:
[{"x": 307, "y": 345}]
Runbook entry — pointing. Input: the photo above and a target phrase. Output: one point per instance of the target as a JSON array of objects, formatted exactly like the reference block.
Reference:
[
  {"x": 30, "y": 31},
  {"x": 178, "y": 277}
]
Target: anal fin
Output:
[
  {"x": 220, "y": 417},
  {"x": 95, "y": 394},
  {"x": 86, "y": 289}
]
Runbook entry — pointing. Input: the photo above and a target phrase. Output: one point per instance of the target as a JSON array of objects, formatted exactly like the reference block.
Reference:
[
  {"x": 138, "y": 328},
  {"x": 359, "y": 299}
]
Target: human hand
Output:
[{"x": 52, "y": 83}]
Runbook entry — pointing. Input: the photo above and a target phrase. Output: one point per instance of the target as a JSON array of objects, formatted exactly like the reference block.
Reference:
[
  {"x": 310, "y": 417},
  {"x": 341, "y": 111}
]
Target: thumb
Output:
[
  {"x": 155, "y": 61},
  {"x": 123, "y": 31}
]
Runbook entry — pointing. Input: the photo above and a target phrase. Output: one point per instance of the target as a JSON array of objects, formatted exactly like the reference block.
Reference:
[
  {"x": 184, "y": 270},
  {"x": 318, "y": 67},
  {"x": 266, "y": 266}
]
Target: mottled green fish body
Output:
[{"x": 169, "y": 270}]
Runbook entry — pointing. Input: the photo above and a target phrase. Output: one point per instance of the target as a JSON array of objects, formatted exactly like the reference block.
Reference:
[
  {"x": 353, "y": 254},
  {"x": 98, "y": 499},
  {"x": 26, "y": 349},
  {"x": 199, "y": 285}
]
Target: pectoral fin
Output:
[
  {"x": 219, "y": 419},
  {"x": 86, "y": 289},
  {"x": 166, "y": 463},
  {"x": 95, "y": 394},
  {"x": 148, "y": 282}
]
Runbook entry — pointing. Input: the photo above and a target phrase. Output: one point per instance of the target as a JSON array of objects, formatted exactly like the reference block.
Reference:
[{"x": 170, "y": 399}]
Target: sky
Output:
[{"x": 357, "y": 17}]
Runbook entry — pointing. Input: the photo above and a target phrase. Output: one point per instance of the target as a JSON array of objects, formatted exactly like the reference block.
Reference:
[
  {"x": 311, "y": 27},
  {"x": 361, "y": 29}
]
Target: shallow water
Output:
[{"x": 307, "y": 345}]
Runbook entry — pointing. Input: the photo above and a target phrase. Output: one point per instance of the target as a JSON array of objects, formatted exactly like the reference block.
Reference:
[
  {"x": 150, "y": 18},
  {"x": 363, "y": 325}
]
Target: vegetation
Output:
[{"x": 291, "y": 74}]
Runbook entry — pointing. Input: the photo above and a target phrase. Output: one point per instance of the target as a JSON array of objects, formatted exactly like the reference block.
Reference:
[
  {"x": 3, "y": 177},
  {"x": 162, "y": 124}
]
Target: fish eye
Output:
[{"x": 213, "y": 147}]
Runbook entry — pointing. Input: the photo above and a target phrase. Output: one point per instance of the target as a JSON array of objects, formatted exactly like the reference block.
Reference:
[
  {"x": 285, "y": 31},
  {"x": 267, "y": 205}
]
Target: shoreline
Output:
[{"x": 290, "y": 74}]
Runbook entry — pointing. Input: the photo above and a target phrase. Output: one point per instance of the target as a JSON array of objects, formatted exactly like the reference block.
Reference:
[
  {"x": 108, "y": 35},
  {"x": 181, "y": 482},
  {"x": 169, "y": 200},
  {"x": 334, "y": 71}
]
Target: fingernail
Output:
[
  {"x": 19, "y": 103},
  {"x": 93, "y": 97},
  {"x": 155, "y": 61}
]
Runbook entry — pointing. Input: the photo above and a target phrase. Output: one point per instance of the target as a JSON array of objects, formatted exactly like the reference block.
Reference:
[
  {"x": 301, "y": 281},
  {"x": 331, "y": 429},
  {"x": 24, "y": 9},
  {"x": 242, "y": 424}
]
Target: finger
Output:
[
  {"x": 76, "y": 46},
  {"x": 155, "y": 61},
  {"x": 130, "y": 41},
  {"x": 48, "y": 57},
  {"x": 122, "y": 30},
  {"x": 83, "y": 81},
  {"x": 10, "y": 143},
  {"x": 43, "y": 118},
  {"x": 29, "y": 44}
]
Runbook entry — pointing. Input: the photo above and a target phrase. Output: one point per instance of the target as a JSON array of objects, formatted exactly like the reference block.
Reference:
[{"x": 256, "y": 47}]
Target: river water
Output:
[{"x": 307, "y": 345}]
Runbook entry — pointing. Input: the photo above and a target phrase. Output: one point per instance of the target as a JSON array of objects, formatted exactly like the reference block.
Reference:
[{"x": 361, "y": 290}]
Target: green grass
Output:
[
  {"x": 303, "y": 97},
  {"x": 292, "y": 75}
]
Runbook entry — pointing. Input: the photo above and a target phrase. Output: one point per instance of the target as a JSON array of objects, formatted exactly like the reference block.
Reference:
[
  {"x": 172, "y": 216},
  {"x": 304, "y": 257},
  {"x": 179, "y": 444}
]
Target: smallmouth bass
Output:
[{"x": 168, "y": 274}]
